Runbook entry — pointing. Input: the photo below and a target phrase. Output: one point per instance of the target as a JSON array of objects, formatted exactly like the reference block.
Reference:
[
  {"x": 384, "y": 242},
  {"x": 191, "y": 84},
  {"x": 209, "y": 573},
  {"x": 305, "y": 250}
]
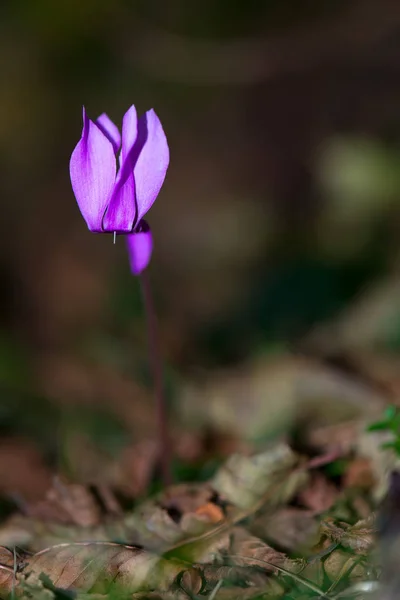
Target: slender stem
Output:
[{"x": 156, "y": 365}]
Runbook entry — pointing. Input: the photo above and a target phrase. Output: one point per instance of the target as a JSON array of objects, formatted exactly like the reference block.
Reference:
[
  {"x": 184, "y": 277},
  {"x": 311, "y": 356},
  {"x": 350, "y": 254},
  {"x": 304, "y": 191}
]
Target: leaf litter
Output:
[{"x": 296, "y": 520}]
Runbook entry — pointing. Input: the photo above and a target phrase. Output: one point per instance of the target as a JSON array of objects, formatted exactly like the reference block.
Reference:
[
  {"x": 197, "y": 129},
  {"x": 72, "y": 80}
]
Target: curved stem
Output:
[{"x": 157, "y": 369}]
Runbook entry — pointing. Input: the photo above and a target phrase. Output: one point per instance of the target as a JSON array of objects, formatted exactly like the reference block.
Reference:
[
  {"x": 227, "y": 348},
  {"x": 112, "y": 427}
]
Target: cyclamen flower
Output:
[{"x": 116, "y": 179}]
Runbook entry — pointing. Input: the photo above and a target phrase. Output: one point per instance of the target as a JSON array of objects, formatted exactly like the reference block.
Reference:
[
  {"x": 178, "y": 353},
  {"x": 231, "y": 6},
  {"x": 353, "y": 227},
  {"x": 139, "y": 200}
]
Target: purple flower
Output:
[{"x": 117, "y": 178}]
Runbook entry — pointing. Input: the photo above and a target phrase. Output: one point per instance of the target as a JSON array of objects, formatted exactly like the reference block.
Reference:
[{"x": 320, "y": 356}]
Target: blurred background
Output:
[{"x": 277, "y": 247}]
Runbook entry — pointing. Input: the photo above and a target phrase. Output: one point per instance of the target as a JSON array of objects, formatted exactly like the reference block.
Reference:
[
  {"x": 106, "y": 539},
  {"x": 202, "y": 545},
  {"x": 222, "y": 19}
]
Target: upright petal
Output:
[
  {"x": 121, "y": 211},
  {"x": 151, "y": 161},
  {"x": 140, "y": 247},
  {"x": 129, "y": 132},
  {"x": 92, "y": 170},
  {"x": 110, "y": 130}
]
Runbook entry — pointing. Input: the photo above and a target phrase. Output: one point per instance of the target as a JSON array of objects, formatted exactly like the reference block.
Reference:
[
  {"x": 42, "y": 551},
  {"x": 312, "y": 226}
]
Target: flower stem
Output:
[{"x": 156, "y": 366}]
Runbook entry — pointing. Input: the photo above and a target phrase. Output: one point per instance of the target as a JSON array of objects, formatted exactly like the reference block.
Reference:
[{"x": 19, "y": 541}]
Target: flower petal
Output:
[
  {"x": 110, "y": 130},
  {"x": 121, "y": 211},
  {"x": 129, "y": 132},
  {"x": 152, "y": 161},
  {"x": 140, "y": 248},
  {"x": 92, "y": 170},
  {"x": 121, "y": 214}
]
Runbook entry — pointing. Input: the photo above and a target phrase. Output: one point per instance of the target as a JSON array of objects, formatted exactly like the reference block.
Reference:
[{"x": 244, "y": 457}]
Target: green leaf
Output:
[
  {"x": 379, "y": 426},
  {"x": 390, "y": 412}
]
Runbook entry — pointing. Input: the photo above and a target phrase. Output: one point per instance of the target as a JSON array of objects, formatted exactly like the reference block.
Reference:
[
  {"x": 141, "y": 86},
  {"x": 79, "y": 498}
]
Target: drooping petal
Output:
[
  {"x": 110, "y": 130},
  {"x": 140, "y": 247},
  {"x": 92, "y": 170},
  {"x": 151, "y": 161}
]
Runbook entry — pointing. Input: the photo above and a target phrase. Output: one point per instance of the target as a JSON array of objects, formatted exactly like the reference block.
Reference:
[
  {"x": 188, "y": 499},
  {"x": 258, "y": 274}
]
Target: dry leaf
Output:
[
  {"x": 270, "y": 589},
  {"x": 7, "y": 571},
  {"x": 272, "y": 392},
  {"x": 212, "y": 512},
  {"x": 359, "y": 474},
  {"x": 68, "y": 503},
  {"x": 155, "y": 524},
  {"x": 244, "y": 480},
  {"x": 186, "y": 498},
  {"x": 179, "y": 513},
  {"x": 288, "y": 527},
  {"x": 319, "y": 494},
  {"x": 98, "y": 567},
  {"x": 358, "y": 537},
  {"x": 249, "y": 546},
  {"x": 340, "y": 564}
]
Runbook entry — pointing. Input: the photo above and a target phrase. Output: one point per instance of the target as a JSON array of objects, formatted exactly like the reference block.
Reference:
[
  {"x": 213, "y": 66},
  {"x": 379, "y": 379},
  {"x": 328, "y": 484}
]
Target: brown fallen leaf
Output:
[
  {"x": 270, "y": 392},
  {"x": 7, "y": 570},
  {"x": 103, "y": 566},
  {"x": 319, "y": 494},
  {"x": 187, "y": 511},
  {"x": 67, "y": 503},
  {"x": 245, "y": 544},
  {"x": 185, "y": 497},
  {"x": 359, "y": 474},
  {"x": 341, "y": 564},
  {"x": 7, "y": 558},
  {"x": 243, "y": 480},
  {"x": 270, "y": 589},
  {"x": 288, "y": 527},
  {"x": 212, "y": 512},
  {"x": 180, "y": 513},
  {"x": 359, "y": 537}
]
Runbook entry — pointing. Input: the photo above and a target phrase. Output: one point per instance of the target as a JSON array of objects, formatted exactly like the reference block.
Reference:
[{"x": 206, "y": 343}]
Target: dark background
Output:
[{"x": 277, "y": 229}]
